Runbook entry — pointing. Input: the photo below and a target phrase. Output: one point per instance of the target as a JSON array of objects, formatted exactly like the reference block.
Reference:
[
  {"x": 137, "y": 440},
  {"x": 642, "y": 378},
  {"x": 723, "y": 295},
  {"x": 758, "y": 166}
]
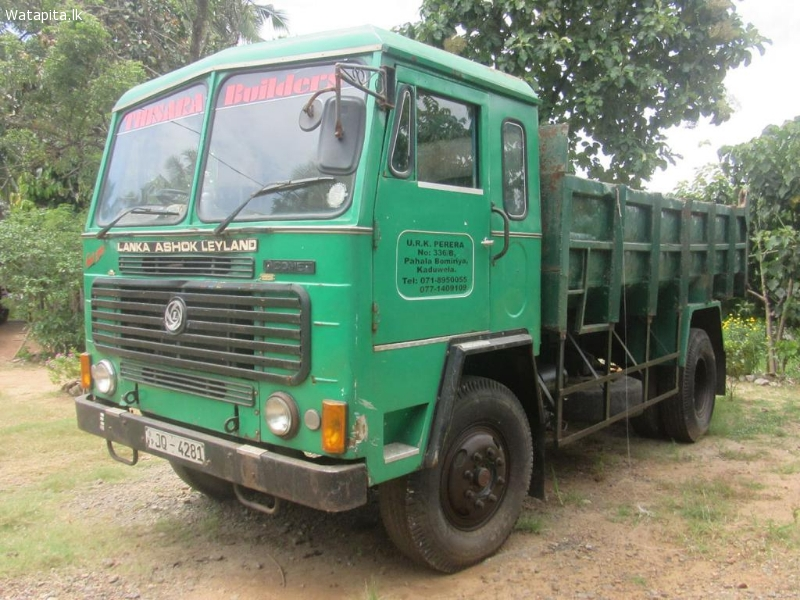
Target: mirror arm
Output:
[
  {"x": 358, "y": 76},
  {"x": 309, "y": 106}
]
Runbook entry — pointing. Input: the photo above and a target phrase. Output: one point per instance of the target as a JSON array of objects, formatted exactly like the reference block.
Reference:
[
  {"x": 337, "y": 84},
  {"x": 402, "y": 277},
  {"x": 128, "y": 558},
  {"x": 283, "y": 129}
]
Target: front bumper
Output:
[{"x": 331, "y": 488}]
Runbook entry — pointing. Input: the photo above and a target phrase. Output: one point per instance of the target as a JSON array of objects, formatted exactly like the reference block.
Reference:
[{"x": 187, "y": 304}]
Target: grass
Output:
[
  {"x": 570, "y": 497},
  {"x": 371, "y": 591},
  {"x": 792, "y": 468},
  {"x": 35, "y": 536},
  {"x": 742, "y": 455},
  {"x": 530, "y": 523},
  {"x": 705, "y": 507},
  {"x": 45, "y": 464},
  {"x": 765, "y": 412}
]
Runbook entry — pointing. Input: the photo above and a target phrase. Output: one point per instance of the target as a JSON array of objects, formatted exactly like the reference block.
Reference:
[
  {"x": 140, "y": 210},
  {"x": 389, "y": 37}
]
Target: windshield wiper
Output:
[
  {"x": 271, "y": 188},
  {"x": 136, "y": 210}
]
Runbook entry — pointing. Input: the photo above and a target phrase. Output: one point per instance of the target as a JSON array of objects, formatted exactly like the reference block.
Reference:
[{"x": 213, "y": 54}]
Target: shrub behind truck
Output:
[{"x": 326, "y": 264}]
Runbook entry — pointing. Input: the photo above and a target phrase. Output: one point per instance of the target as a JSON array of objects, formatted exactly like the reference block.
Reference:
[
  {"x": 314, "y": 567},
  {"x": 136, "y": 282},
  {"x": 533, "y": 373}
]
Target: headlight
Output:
[
  {"x": 281, "y": 415},
  {"x": 104, "y": 377}
]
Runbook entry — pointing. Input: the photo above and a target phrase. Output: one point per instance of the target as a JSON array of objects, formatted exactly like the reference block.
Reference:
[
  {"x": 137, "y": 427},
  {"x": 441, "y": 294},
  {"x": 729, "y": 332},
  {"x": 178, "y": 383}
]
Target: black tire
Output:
[
  {"x": 687, "y": 415},
  {"x": 206, "y": 484},
  {"x": 462, "y": 510},
  {"x": 649, "y": 423}
]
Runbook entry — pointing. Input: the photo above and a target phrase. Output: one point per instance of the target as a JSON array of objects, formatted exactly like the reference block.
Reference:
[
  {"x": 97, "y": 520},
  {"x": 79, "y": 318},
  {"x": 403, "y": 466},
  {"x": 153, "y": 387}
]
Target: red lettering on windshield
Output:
[
  {"x": 166, "y": 110},
  {"x": 275, "y": 87}
]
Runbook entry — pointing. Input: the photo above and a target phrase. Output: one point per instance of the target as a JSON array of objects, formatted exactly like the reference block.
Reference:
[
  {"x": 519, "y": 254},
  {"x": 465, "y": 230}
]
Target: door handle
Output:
[
  {"x": 486, "y": 242},
  {"x": 506, "y": 233}
]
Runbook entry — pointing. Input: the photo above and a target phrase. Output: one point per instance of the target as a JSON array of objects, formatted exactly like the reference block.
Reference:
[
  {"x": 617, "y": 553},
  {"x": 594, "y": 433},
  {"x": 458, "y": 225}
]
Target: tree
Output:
[
  {"x": 60, "y": 79},
  {"x": 58, "y": 85},
  {"x": 166, "y": 34},
  {"x": 223, "y": 23},
  {"x": 768, "y": 168},
  {"x": 619, "y": 72}
]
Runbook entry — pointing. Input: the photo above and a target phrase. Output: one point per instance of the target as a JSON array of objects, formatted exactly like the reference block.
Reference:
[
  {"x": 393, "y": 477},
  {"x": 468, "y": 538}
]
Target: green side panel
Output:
[{"x": 604, "y": 243}]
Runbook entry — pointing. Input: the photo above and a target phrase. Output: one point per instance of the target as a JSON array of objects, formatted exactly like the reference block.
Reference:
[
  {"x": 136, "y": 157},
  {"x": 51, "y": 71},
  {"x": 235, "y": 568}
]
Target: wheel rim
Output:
[{"x": 475, "y": 473}]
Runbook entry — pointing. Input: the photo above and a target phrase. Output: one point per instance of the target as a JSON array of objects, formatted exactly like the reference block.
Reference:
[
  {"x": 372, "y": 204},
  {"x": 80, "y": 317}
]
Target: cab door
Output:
[
  {"x": 516, "y": 275},
  {"x": 432, "y": 215}
]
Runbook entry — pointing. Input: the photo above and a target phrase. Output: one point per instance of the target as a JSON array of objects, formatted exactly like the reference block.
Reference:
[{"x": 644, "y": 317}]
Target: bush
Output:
[
  {"x": 42, "y": 271},
  {"x": 64, "y": 368},
  {"x": 745, "y": 344}
]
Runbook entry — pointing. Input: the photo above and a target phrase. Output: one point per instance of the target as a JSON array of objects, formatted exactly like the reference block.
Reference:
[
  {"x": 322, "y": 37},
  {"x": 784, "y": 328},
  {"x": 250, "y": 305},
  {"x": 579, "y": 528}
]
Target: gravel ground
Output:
[{"x": 610, "y": 529}]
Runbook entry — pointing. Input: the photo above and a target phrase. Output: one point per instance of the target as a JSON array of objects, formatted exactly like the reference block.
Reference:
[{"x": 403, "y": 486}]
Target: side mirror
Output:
[{"x": 339, "y": 146}]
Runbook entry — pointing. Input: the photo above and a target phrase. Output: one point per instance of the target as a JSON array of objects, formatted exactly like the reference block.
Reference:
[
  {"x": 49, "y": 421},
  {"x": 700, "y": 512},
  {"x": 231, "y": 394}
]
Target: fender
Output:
[{"x": 481, "y": 355}]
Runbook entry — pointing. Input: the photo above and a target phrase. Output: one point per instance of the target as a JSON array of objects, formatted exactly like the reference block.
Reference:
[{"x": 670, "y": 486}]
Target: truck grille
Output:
[
  {"x": 182, "y": 265},
  {"x": 199, "y": 385},
  {"x": 256, "y": 331}
]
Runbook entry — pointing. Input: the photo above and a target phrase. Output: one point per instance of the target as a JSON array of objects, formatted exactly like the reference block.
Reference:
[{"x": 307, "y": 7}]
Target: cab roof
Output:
[{"x": 334, "y": 44}]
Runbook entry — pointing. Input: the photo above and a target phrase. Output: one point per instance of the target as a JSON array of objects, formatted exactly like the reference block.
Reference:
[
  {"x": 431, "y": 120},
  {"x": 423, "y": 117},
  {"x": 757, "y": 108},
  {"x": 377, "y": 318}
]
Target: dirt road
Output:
[{"x": 625, "y": 518}]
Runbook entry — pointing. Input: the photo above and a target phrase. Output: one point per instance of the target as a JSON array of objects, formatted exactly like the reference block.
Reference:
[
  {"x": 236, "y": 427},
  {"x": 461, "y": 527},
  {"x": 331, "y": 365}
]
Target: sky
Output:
[{"x": 764, "y": 93}]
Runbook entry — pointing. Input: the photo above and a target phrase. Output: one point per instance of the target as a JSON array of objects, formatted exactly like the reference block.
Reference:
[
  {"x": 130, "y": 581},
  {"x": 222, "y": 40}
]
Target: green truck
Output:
[{"x": 331, "y": 264}]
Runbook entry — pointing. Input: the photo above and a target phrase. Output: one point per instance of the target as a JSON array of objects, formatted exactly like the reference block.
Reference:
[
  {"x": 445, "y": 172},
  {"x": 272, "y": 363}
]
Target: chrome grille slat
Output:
[
  {"x": 183, "y": 265},
  {"x": 256, "y": 331},
  {"x": 217, "y": 389}
]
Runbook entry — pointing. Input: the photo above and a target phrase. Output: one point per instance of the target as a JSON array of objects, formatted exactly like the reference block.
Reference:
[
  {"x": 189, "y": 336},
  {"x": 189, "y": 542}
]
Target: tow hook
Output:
[
  {"x": 271, "y": 506},
  {"x": 125, "y": 461}
]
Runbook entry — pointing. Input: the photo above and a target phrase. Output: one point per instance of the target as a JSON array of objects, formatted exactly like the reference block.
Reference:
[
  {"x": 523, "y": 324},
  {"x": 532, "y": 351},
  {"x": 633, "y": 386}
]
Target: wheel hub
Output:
[{"x": 476, "y": 471}]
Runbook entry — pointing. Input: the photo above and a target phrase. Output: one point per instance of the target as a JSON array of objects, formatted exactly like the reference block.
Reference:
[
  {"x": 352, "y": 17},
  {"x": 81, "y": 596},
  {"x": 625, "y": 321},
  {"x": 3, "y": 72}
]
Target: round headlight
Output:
[
  {"x": 104, "y": 377},
  {"x": 281, "y": 415}
]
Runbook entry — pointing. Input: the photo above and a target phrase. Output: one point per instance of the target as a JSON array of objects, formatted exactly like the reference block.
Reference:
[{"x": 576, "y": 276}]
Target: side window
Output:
[
  {"x": 401, "y": 144},
  {"x": 515, "y": 174},
  {"x": 446, "y": 141}
]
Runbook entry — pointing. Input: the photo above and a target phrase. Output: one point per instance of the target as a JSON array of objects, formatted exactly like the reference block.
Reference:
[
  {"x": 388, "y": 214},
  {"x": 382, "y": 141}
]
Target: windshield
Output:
[
  {"x": 257, "y": 142},
  {"x": 153, "y": 160}
]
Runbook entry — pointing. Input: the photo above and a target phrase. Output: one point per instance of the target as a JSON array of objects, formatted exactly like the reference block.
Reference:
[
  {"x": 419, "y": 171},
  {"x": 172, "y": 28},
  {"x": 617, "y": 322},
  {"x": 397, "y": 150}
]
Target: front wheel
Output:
[
  {"x": 687, "y": 415},
  {"x": 206, "y": 484},
  {"x": 461, "y": 511}
]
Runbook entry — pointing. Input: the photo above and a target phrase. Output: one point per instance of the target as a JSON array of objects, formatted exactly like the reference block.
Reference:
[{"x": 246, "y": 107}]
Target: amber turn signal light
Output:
[
  {"x": 86, "y": 370},
  {"x": 334, "y": 426}
]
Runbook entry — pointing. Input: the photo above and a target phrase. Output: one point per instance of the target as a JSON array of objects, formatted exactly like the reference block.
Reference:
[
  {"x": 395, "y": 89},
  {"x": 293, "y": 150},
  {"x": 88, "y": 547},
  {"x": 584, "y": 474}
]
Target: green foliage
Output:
[
  {"x": 530, "y": 523},
  {"x": 166, "y": 34},
  {"x": 768, "y": 167},
  {"x": 619, "y": 72},
  {"x": 60, "y": 79},
  {"x": 41, "y": 268},
  {"x": 61, "y": 84},
  {"x": 64, "y": 368},
  {"x": 710, "y": 184},
  {"x": 745, "y": 343}
]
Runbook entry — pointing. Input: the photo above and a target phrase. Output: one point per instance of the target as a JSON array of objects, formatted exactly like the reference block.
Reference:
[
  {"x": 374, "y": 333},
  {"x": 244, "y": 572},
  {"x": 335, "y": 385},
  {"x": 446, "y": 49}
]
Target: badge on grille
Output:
[{"x": 175, "y": 315}]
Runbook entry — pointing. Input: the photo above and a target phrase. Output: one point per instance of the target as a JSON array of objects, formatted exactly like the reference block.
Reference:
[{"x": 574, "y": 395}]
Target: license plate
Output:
[{"x": 175, "y": 445}]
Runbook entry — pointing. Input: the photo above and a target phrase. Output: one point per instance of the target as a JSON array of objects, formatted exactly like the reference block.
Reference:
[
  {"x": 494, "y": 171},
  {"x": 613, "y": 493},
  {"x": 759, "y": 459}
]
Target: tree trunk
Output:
[
  {"x": 771, "y": 367},
  {"x": 199, "y": 24}
]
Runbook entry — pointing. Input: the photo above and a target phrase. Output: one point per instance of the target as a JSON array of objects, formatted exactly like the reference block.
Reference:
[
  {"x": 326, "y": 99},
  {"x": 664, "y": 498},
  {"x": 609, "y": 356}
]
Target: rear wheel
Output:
[
  {"x": 206, "y": 484},
  {"x": 649, "y": 423},
  {"x": 462, "y": 510},
  {"x": 687, "y": 415}
]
